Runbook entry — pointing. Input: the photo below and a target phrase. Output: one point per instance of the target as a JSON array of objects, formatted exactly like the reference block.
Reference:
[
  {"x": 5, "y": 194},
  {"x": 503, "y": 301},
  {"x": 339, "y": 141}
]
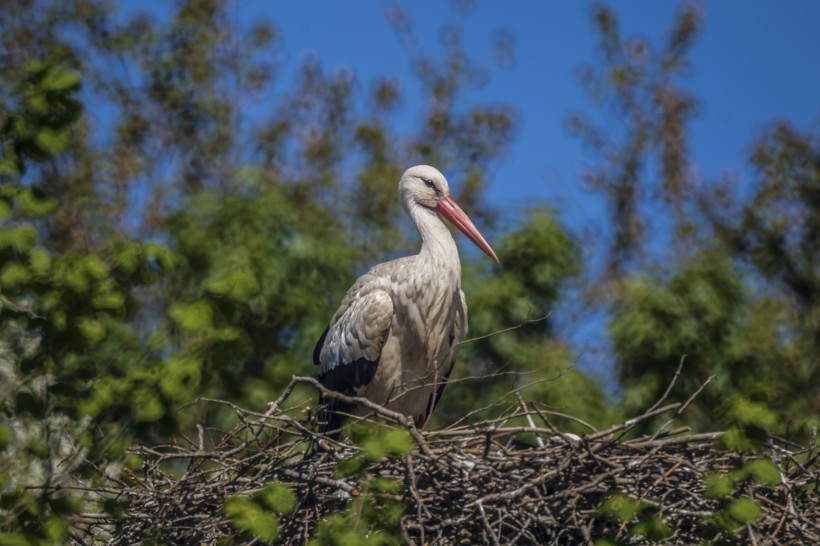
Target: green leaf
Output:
[
  {"x": 59, "y": 320},
  {"x": 398, "y": 442},
  {"x": 278, "y": 497},
  {"x": 37, "y": 104},
  {"x": 12, "y": 275},
  {"x": 620, "y": 507},
  {"x": 654, "y": 528},
  {"x": 735, "y": 439},
  {"x": 74, "y": 277},
  {"x": 763, "y": 471},
  {"x": 249, "y": 516},
  {"x": 95, "y": 267},
  {"x": 744, "y": 510},
  {"x": 56, "y": 530},
  {"x": 14, "y": 539},
  {"x": 148, "y": 406},
  {"x": 180, "y": 378},
  {"x": 113, "y": 301},
  {"x": 193, "y": 317},
  {"x": 20, "y": 239},
  {"x": 40, "y": 261},
  {"x": 385, "y": 485},
  {"x": 5, "y": 436},
  {"x": 58, "y": 79},
  {"x": 92, "y": 330},
  {"x": 719, "y": 486},
  {"x": 379, "y": 442},
  {"x": 34, "y": 205},
  {"x": 126, "y": 256},
  {"x": 749, "y": 413},
  {"x": 375, "y": 447},
  {"x": 350, "y": 466},
  {"x": 65, "y": 504},
  {"x": 52, "y": 141},
  {"x": 162, "y": 255},
  {"x": 238, "y": 284}
]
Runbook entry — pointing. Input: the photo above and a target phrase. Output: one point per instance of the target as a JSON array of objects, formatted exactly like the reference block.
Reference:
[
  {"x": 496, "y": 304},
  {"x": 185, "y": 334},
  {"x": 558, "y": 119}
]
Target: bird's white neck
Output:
[{"x": 437, "y": 244}]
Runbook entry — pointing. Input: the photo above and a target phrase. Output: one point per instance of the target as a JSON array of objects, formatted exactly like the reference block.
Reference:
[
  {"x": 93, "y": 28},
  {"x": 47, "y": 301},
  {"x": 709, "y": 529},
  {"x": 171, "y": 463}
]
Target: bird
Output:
[{"x": 395, "y": 336}]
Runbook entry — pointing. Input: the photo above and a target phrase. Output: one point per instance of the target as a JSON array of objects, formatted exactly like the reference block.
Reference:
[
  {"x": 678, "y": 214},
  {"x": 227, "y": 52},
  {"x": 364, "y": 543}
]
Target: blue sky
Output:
[{"x": 756, "y": 61}]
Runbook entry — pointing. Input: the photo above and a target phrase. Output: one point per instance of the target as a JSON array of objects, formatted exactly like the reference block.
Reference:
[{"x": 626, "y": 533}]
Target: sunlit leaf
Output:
[
  {"x": 718, "y": 485},
  {"x": 58, "y": 79},
  {"x": 34, "y": 205},
  {"x": 620, "y": 507},
  {"x": 238, "y": 284},
  {"x": 193, "y": 317},
  {"x": 180, "y": 378},
  {"x": 249, "y": 516},
  {"x": 20, "y": 239},
  {"x": 13, "y": 275},
  {"x": 763, "y": 471},
  {"x": 93, "y": 330},
  {"x": 744, "y": 510},
  {"x": 277, "y": 497}
]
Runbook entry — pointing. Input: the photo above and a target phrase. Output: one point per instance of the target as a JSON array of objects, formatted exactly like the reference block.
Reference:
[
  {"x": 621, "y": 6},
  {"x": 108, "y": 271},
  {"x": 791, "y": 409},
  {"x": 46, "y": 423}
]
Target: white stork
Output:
[{"x": 395, "y": 336}]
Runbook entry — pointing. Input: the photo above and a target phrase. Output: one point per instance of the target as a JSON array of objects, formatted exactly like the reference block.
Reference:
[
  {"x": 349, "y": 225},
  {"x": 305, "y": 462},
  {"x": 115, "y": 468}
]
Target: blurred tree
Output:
[
  {"x": 644, "y": 167},
  {"x": 773, "y": 230},
  {"x": 739, "y": 293},
  {"x": 539, "y": 260},
  {"x": 76, "y": 382}
]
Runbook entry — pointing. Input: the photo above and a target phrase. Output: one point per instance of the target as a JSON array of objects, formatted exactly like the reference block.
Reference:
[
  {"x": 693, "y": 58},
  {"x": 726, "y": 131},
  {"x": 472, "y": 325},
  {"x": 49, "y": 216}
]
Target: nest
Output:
[{"x": 480, "y": 484}]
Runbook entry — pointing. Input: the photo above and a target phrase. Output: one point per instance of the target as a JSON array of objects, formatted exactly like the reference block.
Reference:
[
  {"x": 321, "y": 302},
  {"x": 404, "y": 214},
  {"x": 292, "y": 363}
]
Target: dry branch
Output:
[{"x": 481, "y": 484}]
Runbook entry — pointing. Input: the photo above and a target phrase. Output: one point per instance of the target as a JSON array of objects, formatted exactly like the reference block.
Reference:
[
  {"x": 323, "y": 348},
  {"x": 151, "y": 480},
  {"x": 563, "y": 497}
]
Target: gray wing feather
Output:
[
  {"x": 349, "y": 350},
  {"x": 358, "y": 331}
]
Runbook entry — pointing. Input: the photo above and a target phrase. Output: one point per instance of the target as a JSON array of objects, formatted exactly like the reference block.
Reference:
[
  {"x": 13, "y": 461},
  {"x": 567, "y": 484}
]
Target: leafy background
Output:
[{"x": 192, "y": 244}]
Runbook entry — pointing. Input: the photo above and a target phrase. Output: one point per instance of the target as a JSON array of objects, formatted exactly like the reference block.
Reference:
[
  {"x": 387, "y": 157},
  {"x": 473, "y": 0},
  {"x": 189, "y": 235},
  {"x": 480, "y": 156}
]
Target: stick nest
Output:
[{"x": 489, "y": 483}]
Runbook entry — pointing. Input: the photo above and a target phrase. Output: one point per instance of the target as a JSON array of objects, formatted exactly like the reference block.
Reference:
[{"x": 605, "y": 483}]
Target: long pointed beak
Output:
[{"x": 448, "y": 208}]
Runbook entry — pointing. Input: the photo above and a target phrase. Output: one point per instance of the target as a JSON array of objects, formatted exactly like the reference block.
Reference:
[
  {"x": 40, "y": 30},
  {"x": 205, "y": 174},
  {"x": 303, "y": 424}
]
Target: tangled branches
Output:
[{"x": 490, "y": 483}]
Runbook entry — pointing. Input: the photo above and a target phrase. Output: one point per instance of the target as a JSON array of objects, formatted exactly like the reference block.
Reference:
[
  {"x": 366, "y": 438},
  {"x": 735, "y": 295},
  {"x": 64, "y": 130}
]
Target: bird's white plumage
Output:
[{"x": 395, "y": 336}]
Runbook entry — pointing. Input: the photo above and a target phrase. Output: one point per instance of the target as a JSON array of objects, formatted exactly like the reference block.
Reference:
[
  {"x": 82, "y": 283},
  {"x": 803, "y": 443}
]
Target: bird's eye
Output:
[{"x": 429, "y": 183}]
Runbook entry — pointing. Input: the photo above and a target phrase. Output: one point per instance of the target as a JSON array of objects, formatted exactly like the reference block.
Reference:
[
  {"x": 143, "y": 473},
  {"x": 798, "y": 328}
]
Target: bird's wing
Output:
[{"x": 348, "y": 352}]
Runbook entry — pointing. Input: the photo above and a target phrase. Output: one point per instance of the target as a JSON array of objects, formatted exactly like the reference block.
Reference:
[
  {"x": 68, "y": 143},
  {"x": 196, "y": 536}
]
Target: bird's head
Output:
[{"x": 425, "y": 186}]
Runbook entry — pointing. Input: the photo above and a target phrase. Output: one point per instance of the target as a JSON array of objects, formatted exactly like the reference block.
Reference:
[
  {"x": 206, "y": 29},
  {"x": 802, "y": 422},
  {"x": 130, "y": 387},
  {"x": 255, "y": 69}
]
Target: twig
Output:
[{"x": 505, "y": 330}]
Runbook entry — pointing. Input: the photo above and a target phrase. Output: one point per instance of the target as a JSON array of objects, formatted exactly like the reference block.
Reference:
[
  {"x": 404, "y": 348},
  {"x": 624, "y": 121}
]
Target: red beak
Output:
[{"x": 448, "y": 208}]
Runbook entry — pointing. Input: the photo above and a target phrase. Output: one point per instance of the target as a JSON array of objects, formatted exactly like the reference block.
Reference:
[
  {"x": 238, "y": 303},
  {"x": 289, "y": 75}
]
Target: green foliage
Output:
[
  {"x": 40, "y": 123},
  {"x": 247, "y": 515},
  {"x": 705, "y": 313},
  {"x": 620, "y": 507},
  {"x": 257, "y": 515},
  {"x": 744, "y": 510},
  {"x": 642, "y": 516},
  {"x": 371, "y": 518},
  {"x": 377, "y": 442},
  {"x": 539, "y": 259},
  {"x": 277, "y": 497}
]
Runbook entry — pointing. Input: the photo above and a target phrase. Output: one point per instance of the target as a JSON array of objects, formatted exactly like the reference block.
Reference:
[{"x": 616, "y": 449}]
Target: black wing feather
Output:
[{"x": 344, "y": 379}]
